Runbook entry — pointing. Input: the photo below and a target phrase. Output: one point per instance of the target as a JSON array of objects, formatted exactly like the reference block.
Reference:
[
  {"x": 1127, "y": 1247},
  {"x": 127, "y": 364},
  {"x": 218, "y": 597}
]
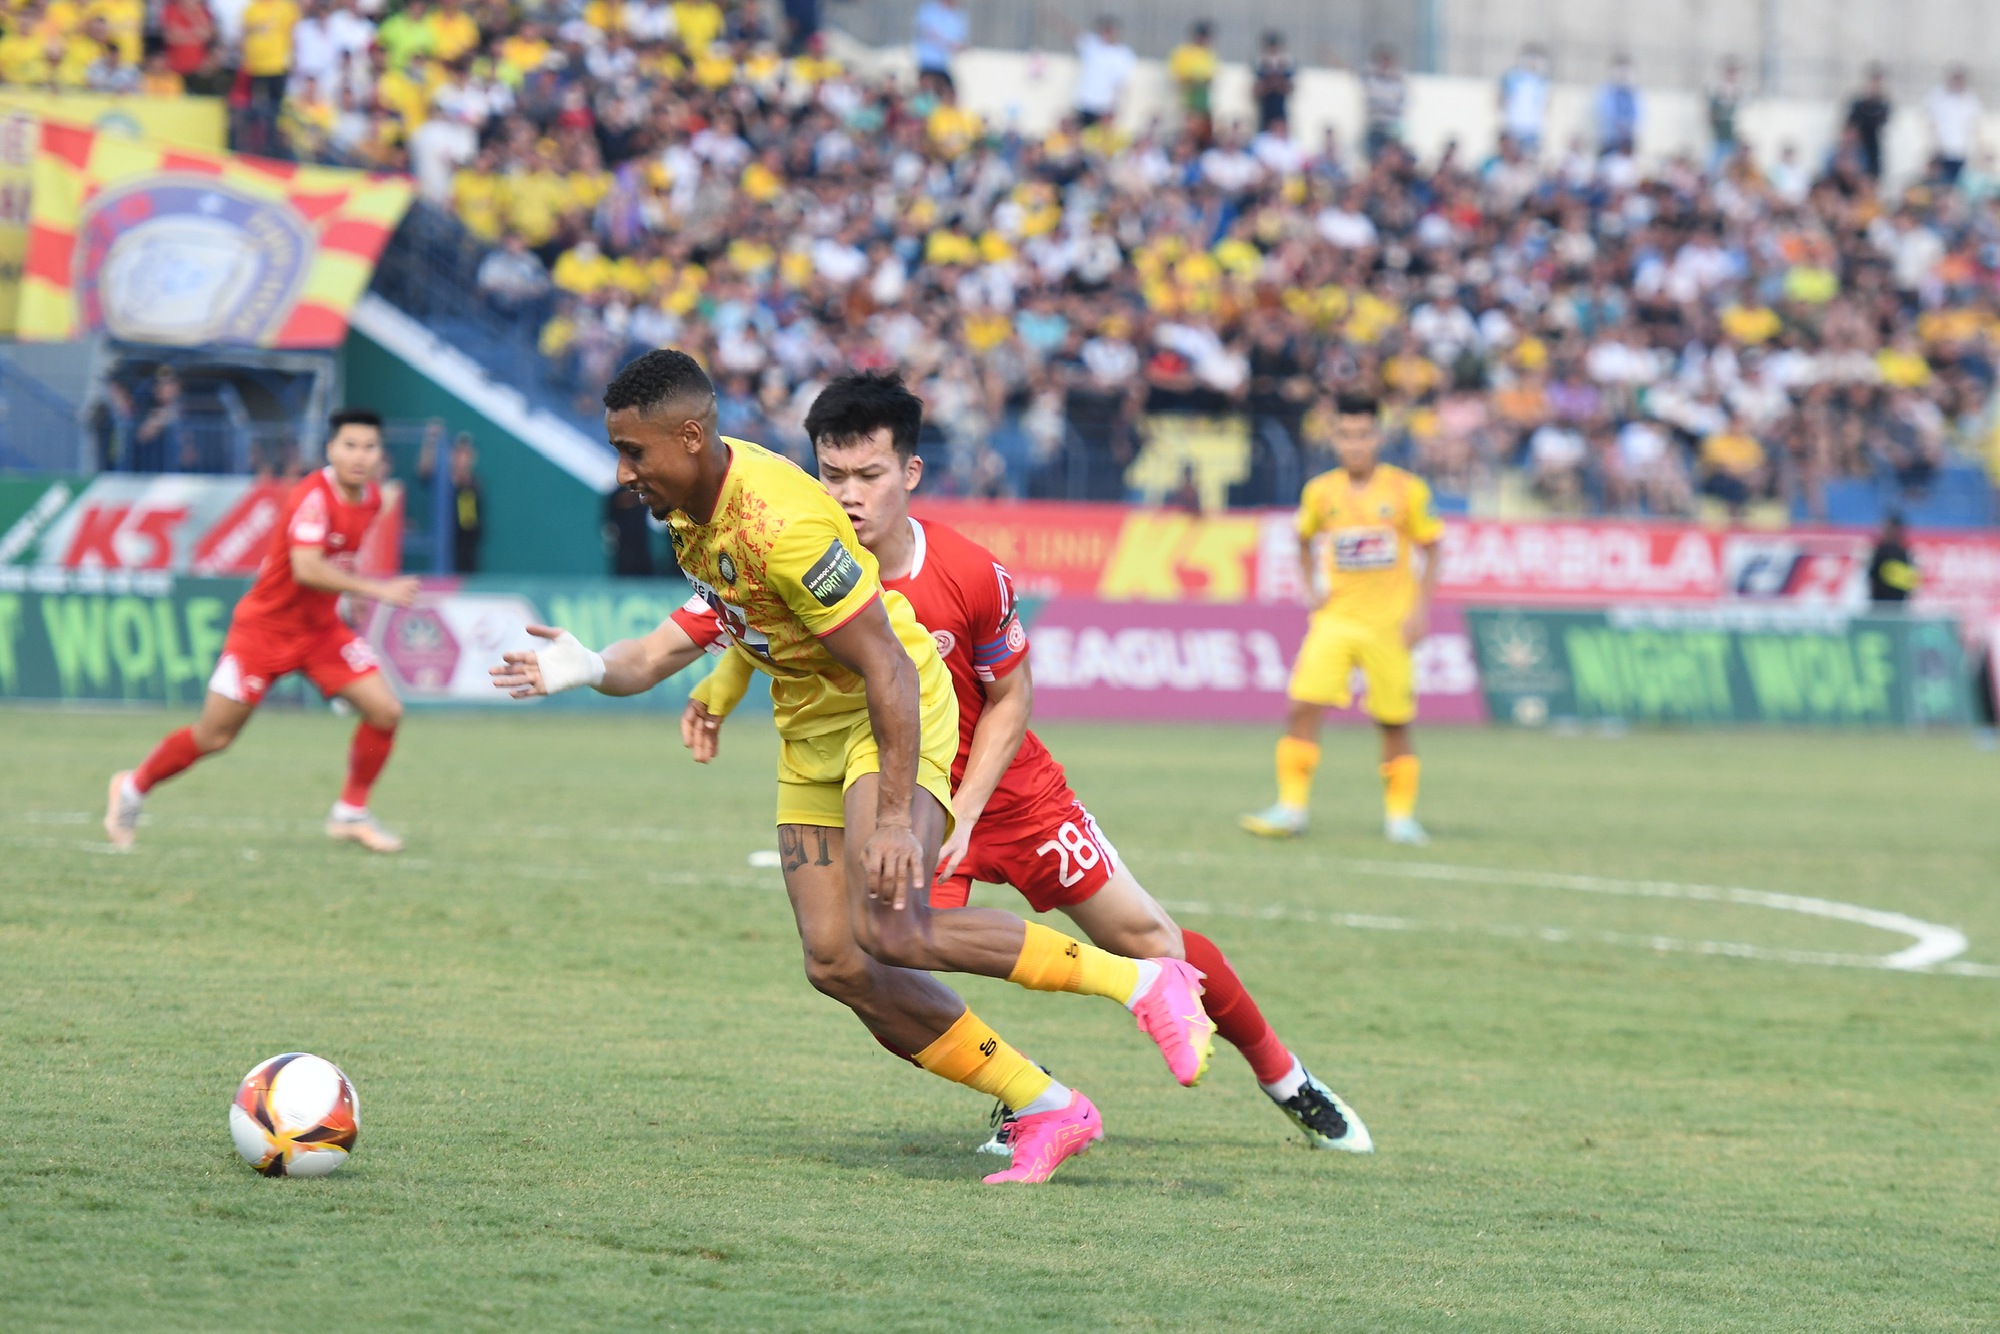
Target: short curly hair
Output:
[{"x": 656, "y": 378}]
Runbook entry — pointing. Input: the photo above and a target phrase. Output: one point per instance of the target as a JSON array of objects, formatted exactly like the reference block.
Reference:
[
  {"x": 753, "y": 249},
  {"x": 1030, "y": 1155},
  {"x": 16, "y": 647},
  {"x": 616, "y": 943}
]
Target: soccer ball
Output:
[{"x": 295, "y": 1116}]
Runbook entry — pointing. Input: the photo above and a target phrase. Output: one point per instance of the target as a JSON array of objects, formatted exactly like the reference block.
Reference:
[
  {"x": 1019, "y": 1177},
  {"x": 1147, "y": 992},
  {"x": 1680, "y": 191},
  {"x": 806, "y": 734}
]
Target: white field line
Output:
[{"x": 1935, "y": 949}]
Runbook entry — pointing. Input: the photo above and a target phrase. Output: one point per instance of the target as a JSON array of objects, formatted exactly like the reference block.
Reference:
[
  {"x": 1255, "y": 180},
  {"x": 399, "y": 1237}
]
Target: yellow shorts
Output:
[
  {"x": 815, "y": 772},
  {"x": 1334, "y": 648}
]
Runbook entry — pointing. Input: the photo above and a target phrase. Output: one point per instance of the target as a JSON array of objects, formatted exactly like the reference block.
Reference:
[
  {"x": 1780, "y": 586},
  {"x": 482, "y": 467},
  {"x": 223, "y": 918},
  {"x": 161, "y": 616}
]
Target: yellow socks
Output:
[
  {"x": 1296, "y": 761},
  {"x": 1051, "y": 961},
  {"x": 972, "y": 1054},
  {"x": 1399, "y": 787}
]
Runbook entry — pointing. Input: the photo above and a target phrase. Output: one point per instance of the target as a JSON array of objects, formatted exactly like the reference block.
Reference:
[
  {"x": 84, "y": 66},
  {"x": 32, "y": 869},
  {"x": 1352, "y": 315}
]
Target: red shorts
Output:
[
  {"x": 1053, "y": 852},
  {"x": 253, "y": 658}
]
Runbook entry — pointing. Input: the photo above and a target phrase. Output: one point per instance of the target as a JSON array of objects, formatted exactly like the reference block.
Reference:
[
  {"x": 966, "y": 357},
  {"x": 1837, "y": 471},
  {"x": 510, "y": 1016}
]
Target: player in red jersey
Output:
[
  {"x": 1018, "y": 822},
  {"x": 287, "y": 622}
]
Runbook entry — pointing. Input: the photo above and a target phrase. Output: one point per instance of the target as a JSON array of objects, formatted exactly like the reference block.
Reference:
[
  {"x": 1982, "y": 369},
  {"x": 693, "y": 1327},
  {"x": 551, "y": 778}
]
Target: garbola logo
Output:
[
  {"x": 727, "y": 566},
  {"x": 189, "y": 259}
]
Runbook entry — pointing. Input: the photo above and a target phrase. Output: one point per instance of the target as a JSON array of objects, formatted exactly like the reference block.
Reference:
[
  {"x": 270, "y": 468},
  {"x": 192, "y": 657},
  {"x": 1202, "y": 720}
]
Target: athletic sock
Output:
[
  {"x": 1053, "y": 1099},
  {"x": 1284, "y": 1086},
  {"x": 1237, "y": 1018},
  {"x": 175, "y": 752},
  {"x": 1052, "y": 961},
  {"x": 1296, "y": 761},
  {"x": 365, "y": 759},
  {"x": 1399, "y": 787},
  {"x": 972, "y": 1054}
]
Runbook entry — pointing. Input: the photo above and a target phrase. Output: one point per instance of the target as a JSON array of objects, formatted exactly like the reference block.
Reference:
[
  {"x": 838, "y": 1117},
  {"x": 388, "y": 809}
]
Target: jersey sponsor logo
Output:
[
  {"x": 1356, "y": 549},
  {"x": 834, "y": 575},
  {"x": 735, "y": 621},
  {"x": 946, "y": 641}
]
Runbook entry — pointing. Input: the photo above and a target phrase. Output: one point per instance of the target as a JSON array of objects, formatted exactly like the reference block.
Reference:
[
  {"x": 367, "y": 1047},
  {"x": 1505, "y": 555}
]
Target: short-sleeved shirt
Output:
[
  {"x": 267, "y": 36},
  {"x": 779, "y": 564},
  {"x": 1367, "y": 534},
  {"x": 316, "y": 515}
]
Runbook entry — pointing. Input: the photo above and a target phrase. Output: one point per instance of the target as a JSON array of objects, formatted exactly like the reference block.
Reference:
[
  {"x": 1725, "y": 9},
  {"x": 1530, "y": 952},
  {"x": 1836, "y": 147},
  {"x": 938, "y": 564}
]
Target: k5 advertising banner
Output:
[
  {"x": 1193, "y": 661},
  {"x": 1723, "y": 664},
  {"x": 174, "y": 522},
  {"x": 156, "y": 244}
]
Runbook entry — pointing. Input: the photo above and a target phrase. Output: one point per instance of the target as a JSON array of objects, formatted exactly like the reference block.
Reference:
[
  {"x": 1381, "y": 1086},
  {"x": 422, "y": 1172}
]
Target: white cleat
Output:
[
  {"x": 121, "y": 811},
  {"x": 362, "y": 829},
  {"x": 1327, "y": 1122},
  {"x": 1275, "y": 822},
  {"x": 1405, "y": 829}
]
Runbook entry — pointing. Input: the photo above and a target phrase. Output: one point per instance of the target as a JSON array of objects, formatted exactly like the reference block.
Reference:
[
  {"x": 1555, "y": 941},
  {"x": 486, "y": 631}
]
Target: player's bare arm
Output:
[
  {"x": 312, "y": 569},
  {"x": 626, "y": 667},
  {"x": 1418, "y": 624},
  {"x": 892, "y": 858},
  {"x": 996, "y": 740}
]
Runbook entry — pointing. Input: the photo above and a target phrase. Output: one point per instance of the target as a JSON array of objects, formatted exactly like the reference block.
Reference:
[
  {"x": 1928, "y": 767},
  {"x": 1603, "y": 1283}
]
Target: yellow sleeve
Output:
[
  {"x": 1308, "y": 520},
  {"x": 1420, "y": 519},
  {"x": 820, "y": 571},
  {"x": 723, "y": 689}
]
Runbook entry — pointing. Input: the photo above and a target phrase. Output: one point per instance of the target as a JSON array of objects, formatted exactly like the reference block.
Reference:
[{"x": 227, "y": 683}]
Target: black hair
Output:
[
  {"x": 1355, "y": 403},
  {"x": 655, "y": 378},
  {"x": 352, "y": 417},
  {"x": 853, "y": 407}
]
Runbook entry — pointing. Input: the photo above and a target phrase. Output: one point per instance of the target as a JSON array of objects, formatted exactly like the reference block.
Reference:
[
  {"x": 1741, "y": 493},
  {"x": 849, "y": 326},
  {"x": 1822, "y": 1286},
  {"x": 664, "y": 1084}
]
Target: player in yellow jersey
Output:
[
  {"x": 869, "y": 727},
  {"x": 1364, "y": 528}
]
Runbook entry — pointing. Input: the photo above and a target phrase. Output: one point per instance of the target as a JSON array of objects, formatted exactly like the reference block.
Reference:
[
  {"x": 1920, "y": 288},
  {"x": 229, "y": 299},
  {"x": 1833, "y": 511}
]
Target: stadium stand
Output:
[{"x": 1568, "y": 333}]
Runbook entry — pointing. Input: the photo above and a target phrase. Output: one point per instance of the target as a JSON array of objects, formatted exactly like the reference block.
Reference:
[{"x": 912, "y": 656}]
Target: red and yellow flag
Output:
[{"x": 155, "y": 244}]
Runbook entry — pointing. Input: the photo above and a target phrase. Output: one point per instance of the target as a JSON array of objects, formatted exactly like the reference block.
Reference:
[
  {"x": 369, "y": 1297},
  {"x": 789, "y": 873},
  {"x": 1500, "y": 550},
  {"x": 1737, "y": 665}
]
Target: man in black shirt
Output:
[
  {"x": 1868, "y": 116},
  {"x": 1892, "y": 575}
]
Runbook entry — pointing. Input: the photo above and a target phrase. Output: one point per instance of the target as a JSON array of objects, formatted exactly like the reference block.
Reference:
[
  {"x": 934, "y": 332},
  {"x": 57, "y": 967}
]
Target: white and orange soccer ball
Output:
[{"x": 295, "y": 1115}]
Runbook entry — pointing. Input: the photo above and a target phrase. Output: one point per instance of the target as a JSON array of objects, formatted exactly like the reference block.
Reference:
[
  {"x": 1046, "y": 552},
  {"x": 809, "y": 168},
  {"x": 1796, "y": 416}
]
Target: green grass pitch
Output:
[{"x": 597, "y": 1093}]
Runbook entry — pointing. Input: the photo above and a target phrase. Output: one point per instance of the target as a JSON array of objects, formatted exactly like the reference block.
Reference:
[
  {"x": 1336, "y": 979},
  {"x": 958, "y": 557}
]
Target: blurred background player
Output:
[
  {"x": 1018, "y": 822},
  {"x": 289, "y": 622},
  {"x": 869, "y": 724},
  {"x": 1362, "y": 528}
]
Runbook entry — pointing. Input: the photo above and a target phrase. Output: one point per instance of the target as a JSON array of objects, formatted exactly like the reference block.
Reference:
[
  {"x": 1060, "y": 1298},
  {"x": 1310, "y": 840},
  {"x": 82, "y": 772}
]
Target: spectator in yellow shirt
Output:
[
  {"x": 951, "y": 127},
  {"x": 699, "y": 23},
  {"x": 267, "y": 59},
  {"x": 1191, "y": 65},
  {"x": 124, "y": 25},
  {"x": 1732, "y": 466},
  {"x": 454, "y": 33}
]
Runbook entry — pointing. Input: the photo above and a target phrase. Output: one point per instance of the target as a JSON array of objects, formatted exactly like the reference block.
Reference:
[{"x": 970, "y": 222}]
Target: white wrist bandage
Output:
[{"x": 567, "y": 664}]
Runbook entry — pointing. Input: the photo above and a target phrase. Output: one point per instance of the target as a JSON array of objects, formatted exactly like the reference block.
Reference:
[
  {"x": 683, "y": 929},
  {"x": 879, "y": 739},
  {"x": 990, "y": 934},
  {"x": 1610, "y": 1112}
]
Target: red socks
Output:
[
  {"x": 175, "y": 752},
  {"x": 1236, "y": 1016},
  {"x": 365, "y": 760}
]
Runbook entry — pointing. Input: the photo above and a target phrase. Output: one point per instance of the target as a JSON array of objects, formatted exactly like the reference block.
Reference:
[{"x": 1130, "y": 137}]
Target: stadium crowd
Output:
[{"x": 1736, "y": 331}]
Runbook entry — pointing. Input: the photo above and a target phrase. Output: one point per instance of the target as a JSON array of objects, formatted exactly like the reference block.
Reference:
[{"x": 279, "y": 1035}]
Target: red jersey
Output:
[
  {"x": 965, "y": 598},
  {"x": 315, "y": 515}
]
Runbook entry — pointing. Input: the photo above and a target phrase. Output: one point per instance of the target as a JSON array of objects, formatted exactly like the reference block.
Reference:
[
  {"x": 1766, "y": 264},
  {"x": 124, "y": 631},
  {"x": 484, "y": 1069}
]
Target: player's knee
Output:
[
  {"x": 209, "y": 740},
  {"x": 841, "y": 975},
  {"x": 386, "y": 715}
]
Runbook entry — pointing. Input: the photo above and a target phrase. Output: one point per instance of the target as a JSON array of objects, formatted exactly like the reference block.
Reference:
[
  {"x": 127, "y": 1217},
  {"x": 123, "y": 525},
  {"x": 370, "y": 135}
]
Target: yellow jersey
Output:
[
  {"x": 1365, "y": 535},
  {"x": 780, "y": 565},
  {"x": 267, "y": 37}
]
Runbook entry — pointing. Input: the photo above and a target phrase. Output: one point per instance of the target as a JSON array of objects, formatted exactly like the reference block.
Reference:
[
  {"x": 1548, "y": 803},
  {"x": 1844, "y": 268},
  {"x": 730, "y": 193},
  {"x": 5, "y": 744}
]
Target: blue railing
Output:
[{"x": 39, "y": 431}]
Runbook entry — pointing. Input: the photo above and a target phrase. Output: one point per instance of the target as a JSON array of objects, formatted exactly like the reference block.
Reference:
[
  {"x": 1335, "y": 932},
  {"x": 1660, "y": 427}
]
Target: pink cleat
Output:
[
  {"x": 1170, "y": 1014},
  {"x": 1045, "y": 1141}
]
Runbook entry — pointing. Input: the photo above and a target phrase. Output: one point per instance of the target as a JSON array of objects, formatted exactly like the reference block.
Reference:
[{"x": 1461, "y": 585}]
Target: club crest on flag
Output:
[{"x": 189, "y": 260}]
